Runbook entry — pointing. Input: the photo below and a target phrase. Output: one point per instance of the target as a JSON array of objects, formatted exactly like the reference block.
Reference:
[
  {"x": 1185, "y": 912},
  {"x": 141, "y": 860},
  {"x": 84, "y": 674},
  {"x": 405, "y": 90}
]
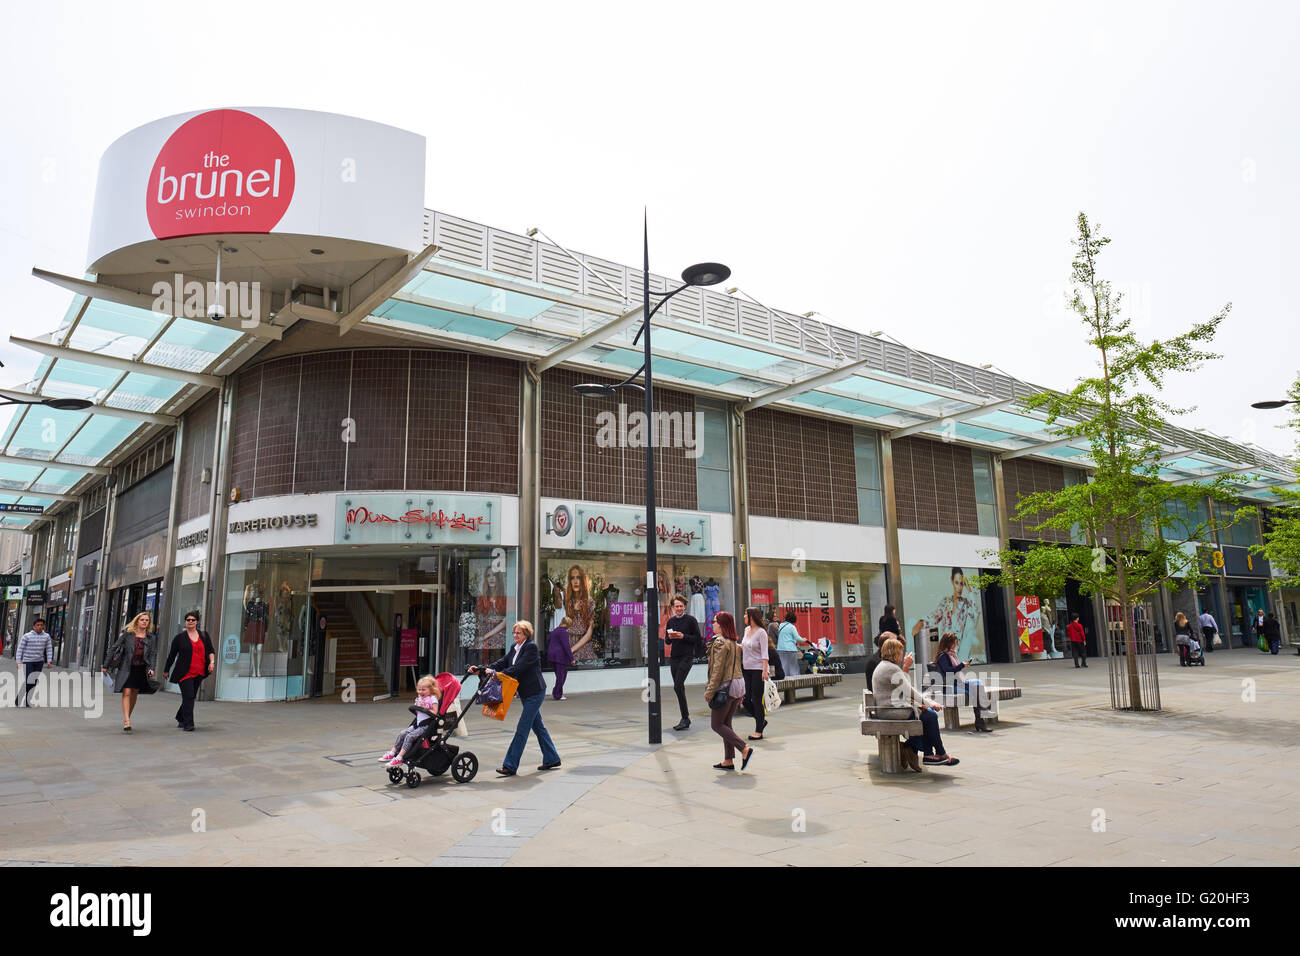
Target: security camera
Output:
[{"x": 215, "y": 312}]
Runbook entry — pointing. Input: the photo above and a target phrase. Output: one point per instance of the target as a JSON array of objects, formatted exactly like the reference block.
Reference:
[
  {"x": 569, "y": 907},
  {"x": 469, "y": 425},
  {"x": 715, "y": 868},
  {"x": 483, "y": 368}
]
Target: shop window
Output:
[
  {"x": 866, "y": 457},
  {"x": 835, "y": 601},
  {"x": 1243, "y": 533},
  {"x": 986, "y": 509},
  {"x": 1075, "y": 477},
  {"x": 603, "y": 596},
  {"x": 713, "y": 467}
]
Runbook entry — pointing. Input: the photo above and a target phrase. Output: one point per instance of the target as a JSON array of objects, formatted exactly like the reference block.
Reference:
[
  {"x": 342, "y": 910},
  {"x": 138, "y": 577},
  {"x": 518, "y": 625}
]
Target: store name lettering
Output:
[
  {"x": 600, "y": 525},
  {"x": 191, "y": 540},
  {"x": 455, "y": 521},
  {"x": 275, "y": 522}
]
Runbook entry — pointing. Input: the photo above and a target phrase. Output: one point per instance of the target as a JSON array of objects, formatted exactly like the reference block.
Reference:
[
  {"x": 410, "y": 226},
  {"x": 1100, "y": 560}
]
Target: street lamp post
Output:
[{"x": 701, "y": 274}]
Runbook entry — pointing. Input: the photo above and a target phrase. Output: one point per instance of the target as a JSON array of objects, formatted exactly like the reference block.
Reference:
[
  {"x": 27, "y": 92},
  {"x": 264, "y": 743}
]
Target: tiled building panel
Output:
[
  {"x": 493, "y": 439},
  {"x": 674, "y": 468},
  {"x": 760, "y": 475},
  {"x": 277, "y": 428},
  {"x": 844, "y": 473},
  {"x": 326, "y": 378},
  {"x": 934, "y": 484},
  {"x": 816, "y": 452},
  {"x": 196, "y": 454},
  {"x": 244, "y": 426},
  {"x": 904, "y": 487},
  {"x": 437, "y": 431},
  {"x": 377, "y": 457},
  {"x": 601, "y": 453},
  {"x": 787, "y": 464},
  {"x": 561, "y": 440},
  {"x": 1024, "y": 477}
]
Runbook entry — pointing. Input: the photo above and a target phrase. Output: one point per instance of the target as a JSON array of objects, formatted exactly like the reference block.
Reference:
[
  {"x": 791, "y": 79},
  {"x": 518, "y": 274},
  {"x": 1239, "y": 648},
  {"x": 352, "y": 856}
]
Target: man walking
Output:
[
  {"x": 1078, "y": 640},
  {"x": 34, "y": 652},
  {"x": 1209, "y": 627}
]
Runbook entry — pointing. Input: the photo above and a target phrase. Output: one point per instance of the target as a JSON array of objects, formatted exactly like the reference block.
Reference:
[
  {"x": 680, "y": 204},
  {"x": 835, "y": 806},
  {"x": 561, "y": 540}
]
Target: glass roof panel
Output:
[
  {"x": 191, "y": 346},
  {"x": 98, "y": 439},
  {"x": 709, "y": 350},
  {"x": 431, "y": 285},
  {"x": 144, "y": 393},
  {"x": 885, "y": 391},
  {"x": 17, "y": 477},
  {"x": 81, "y": 380},
  {"x": 43, "y": 432},
  {"x": 57, "y": 481},
  {"x": 975, "y": 433},
  {"x": 1065, "y": 451},
  {"x": 118, "y": 330},
  {"x": 1021, "y": 423},
  {"x": 852, "y": 406}
]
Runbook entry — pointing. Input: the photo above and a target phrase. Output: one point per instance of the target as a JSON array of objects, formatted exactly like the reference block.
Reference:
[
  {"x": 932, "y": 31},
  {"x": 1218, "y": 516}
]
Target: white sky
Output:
[{"x": 913, "y": 168}]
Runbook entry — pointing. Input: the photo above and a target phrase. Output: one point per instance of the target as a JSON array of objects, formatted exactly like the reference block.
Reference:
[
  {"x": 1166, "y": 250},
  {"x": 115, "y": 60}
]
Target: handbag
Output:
[
  {"x": 721, "y": 696},
  {"x": 771, "y": 696}
]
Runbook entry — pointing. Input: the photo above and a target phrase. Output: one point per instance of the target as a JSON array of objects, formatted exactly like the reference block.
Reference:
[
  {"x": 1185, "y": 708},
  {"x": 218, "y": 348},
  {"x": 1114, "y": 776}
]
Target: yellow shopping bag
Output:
[{"x": 497, "y": 711}]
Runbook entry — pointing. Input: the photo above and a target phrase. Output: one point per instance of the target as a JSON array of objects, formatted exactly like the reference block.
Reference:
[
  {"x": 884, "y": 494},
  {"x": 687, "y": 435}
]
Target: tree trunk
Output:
[{"x": 1130, "y": 638}]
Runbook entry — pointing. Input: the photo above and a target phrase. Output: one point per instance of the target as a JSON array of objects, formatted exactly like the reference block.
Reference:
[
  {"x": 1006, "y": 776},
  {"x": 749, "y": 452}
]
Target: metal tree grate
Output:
[{"x": 1131, "y": 657}]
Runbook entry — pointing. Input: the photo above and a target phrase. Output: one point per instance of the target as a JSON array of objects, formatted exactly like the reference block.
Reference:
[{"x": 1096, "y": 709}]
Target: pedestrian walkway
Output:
[{"x": 1062, "y": 780}]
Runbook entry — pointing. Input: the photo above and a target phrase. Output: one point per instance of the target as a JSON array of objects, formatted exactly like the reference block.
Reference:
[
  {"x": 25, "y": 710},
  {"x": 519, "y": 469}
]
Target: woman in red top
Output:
[{"x": 195, "y": 659}]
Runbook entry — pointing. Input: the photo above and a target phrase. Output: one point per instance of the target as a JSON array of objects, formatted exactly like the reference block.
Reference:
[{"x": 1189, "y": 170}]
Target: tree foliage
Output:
[
  {"x": 1132, "y": 531},
  {"x": 1282, "y": 541}
]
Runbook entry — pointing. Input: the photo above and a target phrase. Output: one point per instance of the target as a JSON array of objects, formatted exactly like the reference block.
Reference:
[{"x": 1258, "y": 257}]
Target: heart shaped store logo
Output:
[{"x": 221, "y": 171}]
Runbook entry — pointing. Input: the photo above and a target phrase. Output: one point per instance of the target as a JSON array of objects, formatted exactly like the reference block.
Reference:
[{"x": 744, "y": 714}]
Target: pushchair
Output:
[
  {"x": 1194, "y": 654},
  {"x": 817, "y": 654},
  {"x": 432, "y": 753}
]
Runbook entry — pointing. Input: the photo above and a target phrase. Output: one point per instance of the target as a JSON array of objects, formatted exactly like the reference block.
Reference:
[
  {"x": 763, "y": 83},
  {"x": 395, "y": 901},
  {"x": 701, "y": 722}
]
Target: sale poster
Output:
[
  {"x": 409, "y": 652},
  {"x": 851, "y": 626},
  {"x": 1029, "y": 624}
]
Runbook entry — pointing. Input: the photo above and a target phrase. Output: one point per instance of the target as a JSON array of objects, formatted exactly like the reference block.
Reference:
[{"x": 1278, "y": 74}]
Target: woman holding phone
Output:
[{"x": 682, "y": 634}]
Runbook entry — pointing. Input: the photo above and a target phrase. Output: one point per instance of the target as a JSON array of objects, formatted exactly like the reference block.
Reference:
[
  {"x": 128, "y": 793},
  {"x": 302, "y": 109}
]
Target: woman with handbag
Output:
[
  {"x": 725, "y": 688},
  {"x": 130, "y": 657},
  {"x": 194, "y": 659},
  {"x": 753, "y": 661}
]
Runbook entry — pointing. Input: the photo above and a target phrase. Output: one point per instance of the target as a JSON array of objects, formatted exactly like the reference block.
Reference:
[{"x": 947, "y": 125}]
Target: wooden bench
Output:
[
  {"x": 889, "y": 733},
  {"x": 935, "y": 690},
  {"x": 818, "y": 682}
]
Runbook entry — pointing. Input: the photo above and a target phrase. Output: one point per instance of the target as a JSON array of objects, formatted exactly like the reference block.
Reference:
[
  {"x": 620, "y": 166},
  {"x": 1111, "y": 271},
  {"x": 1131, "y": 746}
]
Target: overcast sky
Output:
[{"x": 915, "y": 168}]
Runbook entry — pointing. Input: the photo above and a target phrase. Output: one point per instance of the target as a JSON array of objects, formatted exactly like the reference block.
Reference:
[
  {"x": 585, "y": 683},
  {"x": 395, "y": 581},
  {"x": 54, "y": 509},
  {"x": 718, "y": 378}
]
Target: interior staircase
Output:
[{"x": 352, "y": 650}]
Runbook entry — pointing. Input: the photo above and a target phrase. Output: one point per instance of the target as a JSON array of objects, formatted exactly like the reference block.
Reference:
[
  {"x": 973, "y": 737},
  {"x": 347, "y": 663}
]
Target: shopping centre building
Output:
[{"x": 373, "y": 459}]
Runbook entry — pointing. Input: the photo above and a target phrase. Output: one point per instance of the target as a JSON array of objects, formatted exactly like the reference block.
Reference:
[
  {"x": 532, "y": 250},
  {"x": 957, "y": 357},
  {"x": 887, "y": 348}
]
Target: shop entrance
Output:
[{"x": 381, "y": 638}]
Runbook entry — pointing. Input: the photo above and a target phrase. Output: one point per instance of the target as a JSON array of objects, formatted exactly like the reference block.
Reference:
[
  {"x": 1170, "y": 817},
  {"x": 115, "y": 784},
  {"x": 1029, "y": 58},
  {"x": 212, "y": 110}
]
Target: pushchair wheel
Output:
[
  {"x": 395, "y": 774},
  {"x": 464, "y": 768},
  {"x": 413, "y": 780}
]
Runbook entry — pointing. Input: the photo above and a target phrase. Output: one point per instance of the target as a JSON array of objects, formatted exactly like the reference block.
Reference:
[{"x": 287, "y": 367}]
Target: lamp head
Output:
[
  {"x": 593, "y": 389},
  {"x": 706, "y": 273},
  {"x": 1268, "y": 404},
  {"x": 67, "y": 404}
]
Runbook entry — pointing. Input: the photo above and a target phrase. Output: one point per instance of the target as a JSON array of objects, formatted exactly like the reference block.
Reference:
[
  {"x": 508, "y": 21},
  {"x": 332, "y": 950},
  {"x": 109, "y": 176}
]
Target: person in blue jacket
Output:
[{"x": 523, "y": 662}]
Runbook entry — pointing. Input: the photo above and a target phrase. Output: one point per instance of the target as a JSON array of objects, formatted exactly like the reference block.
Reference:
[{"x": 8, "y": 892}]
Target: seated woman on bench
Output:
[
  {"x": 890, "y": 685},
  {"x": 950, "y": 668}
]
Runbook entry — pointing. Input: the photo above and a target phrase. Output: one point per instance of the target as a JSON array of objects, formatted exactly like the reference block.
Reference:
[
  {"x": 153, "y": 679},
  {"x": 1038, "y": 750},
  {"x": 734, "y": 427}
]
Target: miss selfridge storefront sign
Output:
[
  {"x": 415, "y": 519},
  {"x": 600, "y": 528},
  {"x": 256, "y": 170}
]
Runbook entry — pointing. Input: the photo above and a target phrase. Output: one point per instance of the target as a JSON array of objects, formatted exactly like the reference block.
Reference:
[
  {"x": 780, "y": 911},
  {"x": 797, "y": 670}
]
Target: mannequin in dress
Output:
[{"x": 256, "y": 614}]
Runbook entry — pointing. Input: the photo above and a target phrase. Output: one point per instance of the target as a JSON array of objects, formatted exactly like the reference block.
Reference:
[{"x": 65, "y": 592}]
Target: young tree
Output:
[
  {"x": 1282, "y": 542},
  {"x": 1139, "y": 531}
]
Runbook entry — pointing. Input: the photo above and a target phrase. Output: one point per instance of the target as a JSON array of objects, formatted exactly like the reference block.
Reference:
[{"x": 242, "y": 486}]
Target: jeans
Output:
[
  {"x": 720, "y": 721},
  {"x": 561, "y": 672},
  {"x": 1079, "y": 651},
  {"x": 531, "y": 720},
  {"x": 31, "y": 673},
  {"x": 1274, "y": 646},
  {"x": 929, "y": 743},
  {"x": 789, "y": 662},
  {"x": 679, "y": 667},
  {"x": 754, "y": 698},
  {"x": 189, "y": 690}
]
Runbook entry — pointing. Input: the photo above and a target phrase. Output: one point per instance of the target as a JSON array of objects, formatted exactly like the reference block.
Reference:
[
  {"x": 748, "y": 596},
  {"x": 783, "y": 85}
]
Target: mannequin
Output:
[
  {"x": 711, "y": 604},
  {"x": 256, "y": 614},
  {"x": 696, "y": 608}
]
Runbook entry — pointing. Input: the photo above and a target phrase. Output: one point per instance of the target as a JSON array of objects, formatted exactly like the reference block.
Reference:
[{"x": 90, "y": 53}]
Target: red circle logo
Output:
[{"x": 221, "y": 171}]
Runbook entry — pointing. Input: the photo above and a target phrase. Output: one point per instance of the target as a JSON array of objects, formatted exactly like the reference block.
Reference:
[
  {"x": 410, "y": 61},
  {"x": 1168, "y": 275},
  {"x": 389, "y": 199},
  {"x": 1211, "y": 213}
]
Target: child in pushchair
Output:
[
  {"x": 817, "y": 654},
  {"x": 1194, "y": 655},
  {"x": 423, "y": 745}
]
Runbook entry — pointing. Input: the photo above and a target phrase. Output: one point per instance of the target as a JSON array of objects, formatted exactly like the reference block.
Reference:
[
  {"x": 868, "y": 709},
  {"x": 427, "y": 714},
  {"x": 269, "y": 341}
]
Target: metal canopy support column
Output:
[
  {"x": 1004, "y": 541},
  {"x": 118, "y": 364},
  {"x": 893, "y": 580},
  {"x": 739, "y": 504},
  {"x": 215, "y": 577},
  {"x": 530, "y": 517}
]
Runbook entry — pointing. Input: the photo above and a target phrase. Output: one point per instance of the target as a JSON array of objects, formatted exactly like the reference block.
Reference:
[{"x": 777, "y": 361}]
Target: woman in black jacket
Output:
[
  {"x": 131, "y": 658},
  {"x": 195, "y": 659}
]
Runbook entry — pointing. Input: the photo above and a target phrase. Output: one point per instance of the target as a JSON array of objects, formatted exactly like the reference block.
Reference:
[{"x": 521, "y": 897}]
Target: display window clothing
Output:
[
  {"x": 582, "y": 611},
  {"x": 691, "y": 643},
  {"x": 696, "y": 607},
  {"x": 711, "y": 603},
  {"x": 256, "y": 614}
]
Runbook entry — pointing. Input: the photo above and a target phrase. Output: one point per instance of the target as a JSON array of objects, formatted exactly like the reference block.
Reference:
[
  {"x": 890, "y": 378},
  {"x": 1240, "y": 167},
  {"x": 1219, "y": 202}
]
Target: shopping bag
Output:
[
  {"x": 497, "y": 710},
  {"x": 771, "y": 696},
  {"x": 108, "y": 681},
  {"x": 462, "y": 730}
]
